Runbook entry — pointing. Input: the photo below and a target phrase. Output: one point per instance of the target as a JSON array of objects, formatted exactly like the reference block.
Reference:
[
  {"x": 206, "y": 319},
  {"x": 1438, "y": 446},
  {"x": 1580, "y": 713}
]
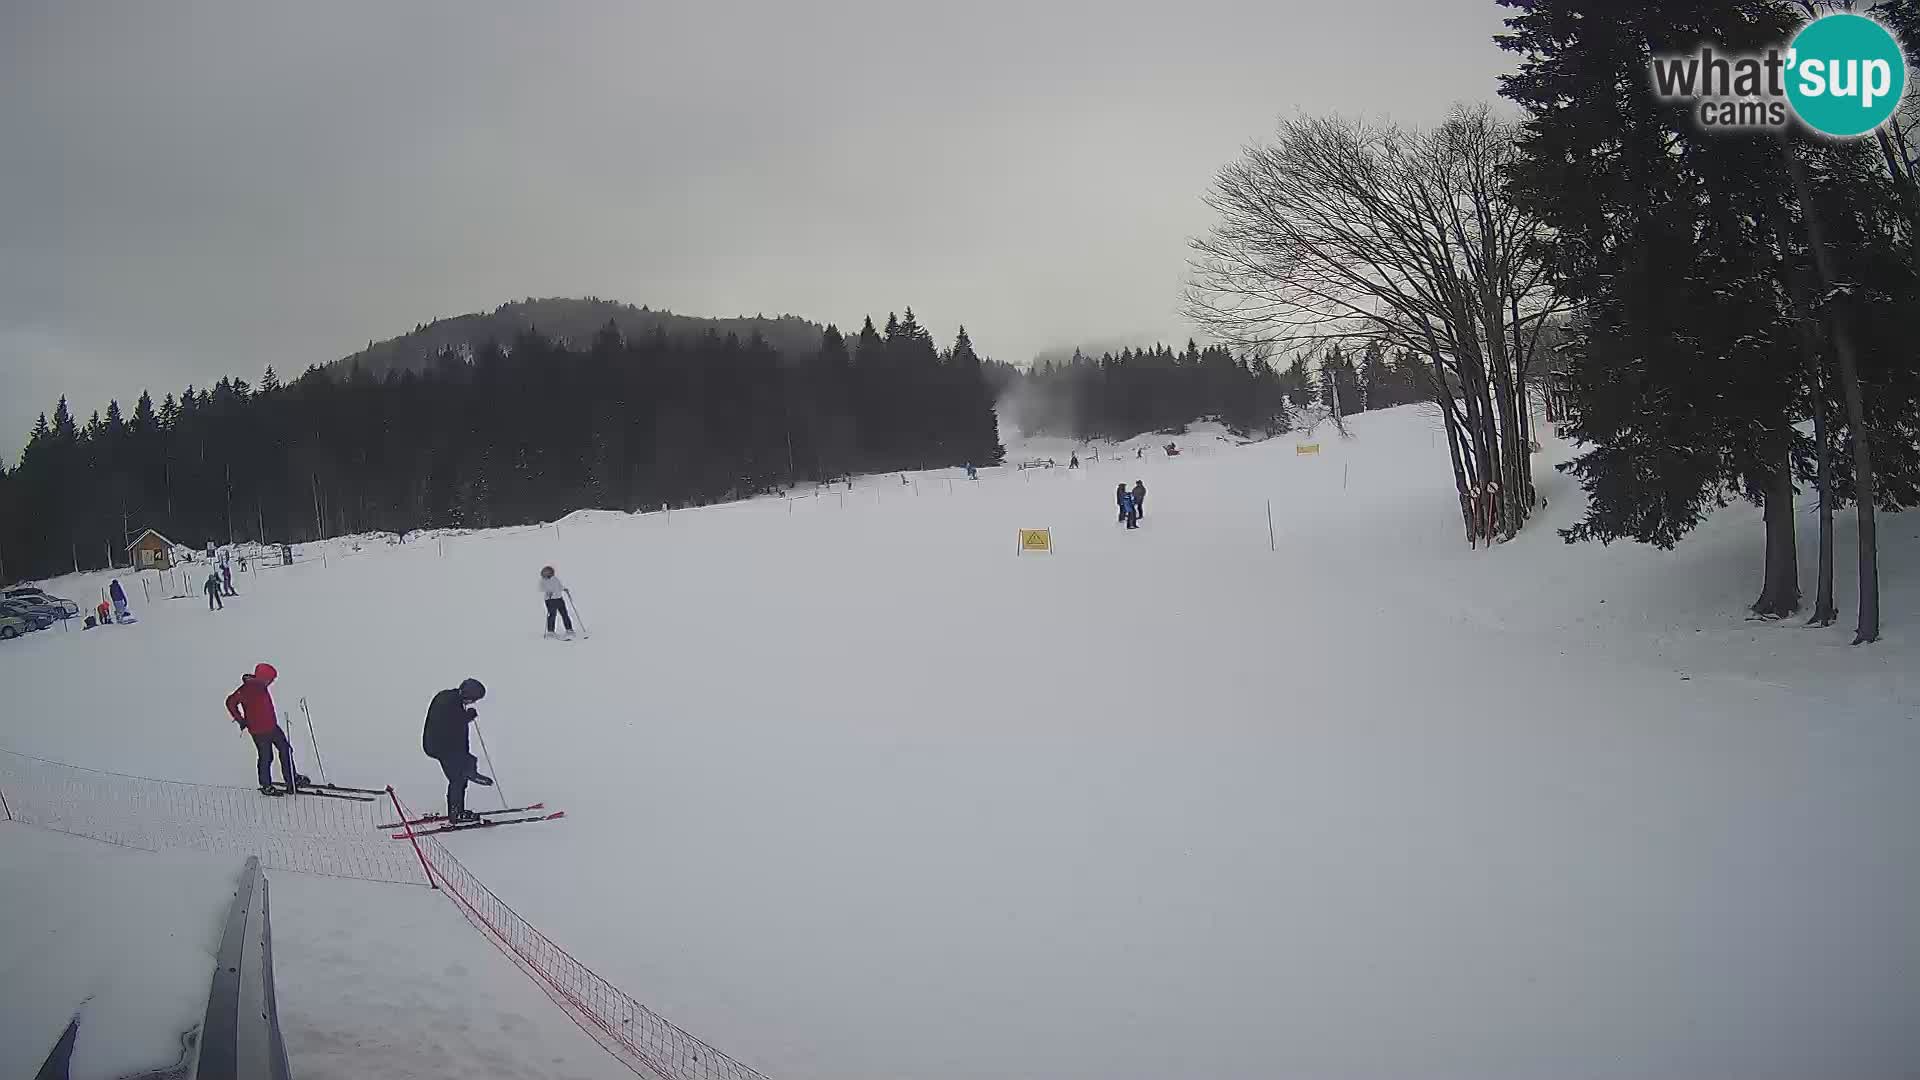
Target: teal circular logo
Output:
[{"x": 1845, "y": 75}]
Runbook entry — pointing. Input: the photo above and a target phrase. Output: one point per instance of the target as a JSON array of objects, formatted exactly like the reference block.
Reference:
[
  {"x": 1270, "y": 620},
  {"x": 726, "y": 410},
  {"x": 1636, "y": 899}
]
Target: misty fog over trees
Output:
[{"x": 1156, "y": 389}]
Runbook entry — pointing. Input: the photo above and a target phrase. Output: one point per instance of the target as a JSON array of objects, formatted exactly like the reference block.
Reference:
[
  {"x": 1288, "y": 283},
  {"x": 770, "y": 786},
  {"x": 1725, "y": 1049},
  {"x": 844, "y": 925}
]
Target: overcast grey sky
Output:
[{"x": 195, "y": 189}]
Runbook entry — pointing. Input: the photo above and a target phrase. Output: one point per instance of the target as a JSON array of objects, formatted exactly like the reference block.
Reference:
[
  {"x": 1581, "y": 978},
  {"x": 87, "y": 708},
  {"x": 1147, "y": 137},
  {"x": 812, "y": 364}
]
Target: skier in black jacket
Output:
[{"x": 445, "y": 741}]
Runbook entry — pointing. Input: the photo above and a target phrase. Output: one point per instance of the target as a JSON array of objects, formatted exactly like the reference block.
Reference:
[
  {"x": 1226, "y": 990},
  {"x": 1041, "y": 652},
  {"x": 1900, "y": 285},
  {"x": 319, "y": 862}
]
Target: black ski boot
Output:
[
  {"x": 301, "y": 780},
  {"x": 269, "y": 789},
  {"x": 462, "y": 816}
]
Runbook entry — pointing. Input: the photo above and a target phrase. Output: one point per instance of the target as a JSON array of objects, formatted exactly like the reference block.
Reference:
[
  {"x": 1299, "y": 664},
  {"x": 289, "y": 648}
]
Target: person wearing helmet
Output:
[
  {"x": 555, "y": 592},
  {"x": 251, "y": 707},
  {"x": 445, "y": 741}
]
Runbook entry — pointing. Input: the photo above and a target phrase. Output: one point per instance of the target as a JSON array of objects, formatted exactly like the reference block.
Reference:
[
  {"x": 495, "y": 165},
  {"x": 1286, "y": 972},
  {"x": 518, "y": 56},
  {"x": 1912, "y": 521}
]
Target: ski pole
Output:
[
  {"x": 579, "y": 618},
  {"x": 315, "y": 740},
  {"x": 490, "y": 769}
]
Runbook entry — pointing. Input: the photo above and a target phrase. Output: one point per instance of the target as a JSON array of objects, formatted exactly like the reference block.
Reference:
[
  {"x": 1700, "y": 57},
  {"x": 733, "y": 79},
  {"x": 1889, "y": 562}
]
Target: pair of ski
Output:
[
  {"x": 330, "y": 791},
  {"x": 488, "y": 819}
]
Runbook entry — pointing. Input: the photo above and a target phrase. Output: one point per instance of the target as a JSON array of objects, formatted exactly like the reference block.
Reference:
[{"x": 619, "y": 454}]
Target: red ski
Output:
[{"x": 429, "y": 819}]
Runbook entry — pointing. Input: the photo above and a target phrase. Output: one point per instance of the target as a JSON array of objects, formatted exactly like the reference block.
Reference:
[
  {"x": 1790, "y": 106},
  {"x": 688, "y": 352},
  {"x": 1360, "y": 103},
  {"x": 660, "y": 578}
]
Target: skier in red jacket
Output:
[{"x": 251, "y": 706}]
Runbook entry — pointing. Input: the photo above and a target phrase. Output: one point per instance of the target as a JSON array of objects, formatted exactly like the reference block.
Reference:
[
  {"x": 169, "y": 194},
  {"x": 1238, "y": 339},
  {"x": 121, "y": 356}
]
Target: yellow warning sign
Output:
[
  {"x": 1036, "y": 540},
  {"x": 1306, "y": 448}
]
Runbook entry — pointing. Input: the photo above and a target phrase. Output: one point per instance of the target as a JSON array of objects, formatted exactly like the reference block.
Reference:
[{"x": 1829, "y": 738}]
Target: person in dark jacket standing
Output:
[
  {"x": 1139, "y": 499},
  {"x": 251, "y": 706},
  {"x": 212, "y": 589},
  {"x": 445, "y": 741},
  {"x": 1120, "y": 498}
]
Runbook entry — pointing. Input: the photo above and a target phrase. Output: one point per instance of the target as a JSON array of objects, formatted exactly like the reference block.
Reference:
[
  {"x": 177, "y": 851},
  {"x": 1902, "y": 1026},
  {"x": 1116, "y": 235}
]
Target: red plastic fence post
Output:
[{"x": 411, "y": 839}]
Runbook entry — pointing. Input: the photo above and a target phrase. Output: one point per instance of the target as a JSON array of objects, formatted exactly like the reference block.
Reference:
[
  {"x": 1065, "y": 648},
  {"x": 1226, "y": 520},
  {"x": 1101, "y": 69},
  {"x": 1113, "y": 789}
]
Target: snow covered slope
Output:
[{"x": 856, "y": 791}]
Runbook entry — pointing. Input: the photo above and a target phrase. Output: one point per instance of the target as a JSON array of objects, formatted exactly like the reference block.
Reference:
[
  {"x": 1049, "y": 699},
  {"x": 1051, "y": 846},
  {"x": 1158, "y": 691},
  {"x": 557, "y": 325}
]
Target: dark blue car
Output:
[{"x": 37, "y": 616}]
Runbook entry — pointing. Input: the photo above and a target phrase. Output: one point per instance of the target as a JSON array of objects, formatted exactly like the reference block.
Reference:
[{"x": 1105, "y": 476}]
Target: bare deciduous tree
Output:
[{"x": 1344, "y": 231}]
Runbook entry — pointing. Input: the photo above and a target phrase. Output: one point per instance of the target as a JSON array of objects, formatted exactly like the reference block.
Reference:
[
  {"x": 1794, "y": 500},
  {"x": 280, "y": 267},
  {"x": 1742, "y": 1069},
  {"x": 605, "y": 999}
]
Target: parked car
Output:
[
  {"x": 36, "y": 616},
  {"x": 34, "y": 595},
  {"x": 12, "y": 626}
]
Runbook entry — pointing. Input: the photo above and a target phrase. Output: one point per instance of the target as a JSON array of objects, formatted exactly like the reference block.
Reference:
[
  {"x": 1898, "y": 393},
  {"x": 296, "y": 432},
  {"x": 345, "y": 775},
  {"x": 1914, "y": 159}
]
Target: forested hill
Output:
[{"x": 572, "y": 321}]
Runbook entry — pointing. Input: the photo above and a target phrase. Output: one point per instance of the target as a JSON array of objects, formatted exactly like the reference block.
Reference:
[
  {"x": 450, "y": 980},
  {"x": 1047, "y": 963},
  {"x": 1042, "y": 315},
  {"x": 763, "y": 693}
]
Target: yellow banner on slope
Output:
[{"x": 1036, "y": 540}]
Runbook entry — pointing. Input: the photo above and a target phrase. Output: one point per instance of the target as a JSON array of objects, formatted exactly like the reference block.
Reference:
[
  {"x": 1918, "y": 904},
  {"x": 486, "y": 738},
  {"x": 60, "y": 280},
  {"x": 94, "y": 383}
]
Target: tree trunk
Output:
[
  {"x": 1780, "y": 592},
  {"x": 1824, "y": 612},
  {"x": 1902, "y": 183},
  {"x": 1479, "y": 431},
  {"x": 1529, "y": 494},
  {"x": 1444, "y": 398},
  {"x": 1868, "y": 628},
  {"x": 1513, "y": 448}
]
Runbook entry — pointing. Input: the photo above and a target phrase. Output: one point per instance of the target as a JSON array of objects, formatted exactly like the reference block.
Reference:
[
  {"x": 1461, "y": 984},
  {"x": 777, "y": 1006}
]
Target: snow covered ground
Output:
[{"x": 856, "y": 791}]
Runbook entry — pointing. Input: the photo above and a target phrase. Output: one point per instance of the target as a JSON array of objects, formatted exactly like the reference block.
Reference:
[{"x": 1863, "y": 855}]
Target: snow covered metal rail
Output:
[
  {"x": 240, "y": 1037},
  {"x": 638, "y": 1037}
]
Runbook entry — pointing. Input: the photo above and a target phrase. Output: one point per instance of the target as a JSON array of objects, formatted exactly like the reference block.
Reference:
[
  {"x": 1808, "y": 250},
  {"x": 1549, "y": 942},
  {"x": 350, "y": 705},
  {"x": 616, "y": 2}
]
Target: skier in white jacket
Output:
[{"x": 555, "y": 592}]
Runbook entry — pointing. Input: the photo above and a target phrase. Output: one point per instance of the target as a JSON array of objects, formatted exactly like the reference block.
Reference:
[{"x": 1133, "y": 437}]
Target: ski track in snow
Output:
[{"x": 854, "y": 791}]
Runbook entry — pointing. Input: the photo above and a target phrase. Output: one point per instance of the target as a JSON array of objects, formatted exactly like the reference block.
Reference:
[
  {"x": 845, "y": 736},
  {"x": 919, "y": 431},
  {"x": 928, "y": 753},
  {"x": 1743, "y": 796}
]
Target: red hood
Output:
[{"x": 253, "y": 705}]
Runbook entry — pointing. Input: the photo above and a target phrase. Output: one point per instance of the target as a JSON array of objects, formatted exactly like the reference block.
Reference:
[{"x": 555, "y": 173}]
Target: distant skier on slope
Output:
[
  {"x": 1073, "y": 461},
  {"x": 555, "y": 592},
  {"x": 226, "y": 578},
  {"x": 251, "y": 706},
  {"x": 212, "y": 589},
  {"x": 445, "y": 740},
  {"x": 1139, "y": 499}
]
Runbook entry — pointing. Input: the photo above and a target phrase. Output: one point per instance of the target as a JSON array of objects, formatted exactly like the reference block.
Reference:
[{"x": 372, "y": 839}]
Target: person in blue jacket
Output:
[
  {"x": 1120, "y": 496},
  {"x": 119, "y": 601}
]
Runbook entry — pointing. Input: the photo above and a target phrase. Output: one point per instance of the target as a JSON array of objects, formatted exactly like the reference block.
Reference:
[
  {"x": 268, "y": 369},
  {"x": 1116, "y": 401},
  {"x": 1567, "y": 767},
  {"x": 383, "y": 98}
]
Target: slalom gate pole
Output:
[
  {"x": 582, "y": 619},
  {"x": 412, "y": 839},
  {"x": 315, "y": 740},
  {"x": 491, "y": 771}
]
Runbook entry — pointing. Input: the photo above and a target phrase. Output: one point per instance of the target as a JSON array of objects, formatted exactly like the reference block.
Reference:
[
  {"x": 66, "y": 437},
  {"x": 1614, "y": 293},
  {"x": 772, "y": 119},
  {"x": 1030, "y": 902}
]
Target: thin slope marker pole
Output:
[
  {"x": 498, "y": 790},
  {"x": 577, "y": 617},
  {"x": 315, "y": 740}
]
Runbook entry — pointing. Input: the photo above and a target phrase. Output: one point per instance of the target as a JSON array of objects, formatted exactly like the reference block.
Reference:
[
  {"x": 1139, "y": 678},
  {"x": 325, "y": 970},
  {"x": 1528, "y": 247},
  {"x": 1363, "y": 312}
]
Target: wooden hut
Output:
[{"x": 150, "y": 551}]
